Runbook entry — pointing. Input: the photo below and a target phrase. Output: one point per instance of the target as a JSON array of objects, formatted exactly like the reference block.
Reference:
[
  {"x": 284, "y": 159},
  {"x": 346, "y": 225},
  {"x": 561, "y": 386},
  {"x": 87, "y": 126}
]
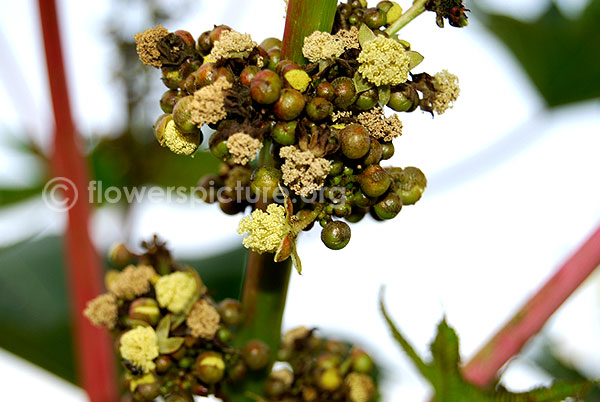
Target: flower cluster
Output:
[
  {"x": 173, "y": 338},
  {"x": 322, "y": 128}
]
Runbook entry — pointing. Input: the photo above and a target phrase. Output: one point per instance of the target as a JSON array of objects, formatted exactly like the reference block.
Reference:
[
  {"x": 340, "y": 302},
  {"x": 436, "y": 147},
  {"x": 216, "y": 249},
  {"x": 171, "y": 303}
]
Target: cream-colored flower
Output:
[
  {"x": 322, "y": 46},
  {"x": 203, "y": 320},
  {"x": 360, "y": 387},
  {"x": 303, "y": 172},
  {"x": 140, "y": 347},
  {"x": 208, "y": 105},
  {"x": 446, "y": 91},
  {"x": 379, "y": 126},
  {"x": 175, "y": 291},
  {"x": 132, "y": 281},
  {"x": 231, "y": 42},
  {"x": 102, "y": 311},
  {"x": 265, "y": 230},
  {"x": 383, "y": 61},
  {"x": 146, "y": 45},
  {"x": 243, "y": 148}
]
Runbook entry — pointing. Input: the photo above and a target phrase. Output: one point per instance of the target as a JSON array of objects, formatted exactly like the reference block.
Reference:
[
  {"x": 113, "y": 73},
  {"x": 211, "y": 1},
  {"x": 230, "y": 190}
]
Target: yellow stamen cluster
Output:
[
  {"x": 175, "y": 291},
  {"x": 178, "y": 142},
  {"x": 447, "y": 91},
  {"x": 298, "y": 79},
  {"x": 379, "y": 126},
  {"x": 243, "y": 148},
  {"x": 132, "y": 281},
  {"x": 303, "y": 172},
  {"x": 140, "y": 347},
  {"x": 203, "y": 320},
  {"x": 383, "y": 61},
  {"x": 208, "y": 105},
  {"x": 266, "y": 230},
  {"x": 231, "y": 42},
  {"x": 340, "y": 115},
  {"x": 360, "y": 387},
  {"x": 102, "y": 311},
  {"x": 146, "y": 45}
]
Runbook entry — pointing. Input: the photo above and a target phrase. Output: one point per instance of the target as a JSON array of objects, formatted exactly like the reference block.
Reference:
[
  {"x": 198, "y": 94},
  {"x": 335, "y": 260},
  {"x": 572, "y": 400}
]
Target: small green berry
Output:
[
  {"x": 336, "y": 235},
  {"x": 318, "y": 108},
  {"x": 326, "y": 90},
  {"x": 284, "y": 132},
  {"x": 403, "y": 98},
  {"x": 375, "y": 153},
  {"x": 374, "y": 181},
  {"x": 231, "y": 311},
  {"x": 265, "y": 181},
  {"x": 256, "y": 354},
  {"x": 265, "y": 87},
  {"x": 289, "y": 105},
  {"x": 367, "y": 100},
  {"x": 375, "y": 18},
  {"x": 387, "y": 150},
  {"x": 274, "y": 58},
  {"x": 248, "y": 74},
  {"x": 389, "y": 206},
  {"x": 270, "y": 43},
  {"x": 210, "y": 367},
  {"x": 345, "y": 92},
  {"x": 355, "y": 141},
  {"x": 182, "y": 115},
  {"x": 169, "y": 99}
]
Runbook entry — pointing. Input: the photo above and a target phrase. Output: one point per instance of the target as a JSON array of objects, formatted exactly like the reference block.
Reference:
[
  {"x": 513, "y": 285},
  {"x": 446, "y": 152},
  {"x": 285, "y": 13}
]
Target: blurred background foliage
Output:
[{"x": 559, "y": 54}]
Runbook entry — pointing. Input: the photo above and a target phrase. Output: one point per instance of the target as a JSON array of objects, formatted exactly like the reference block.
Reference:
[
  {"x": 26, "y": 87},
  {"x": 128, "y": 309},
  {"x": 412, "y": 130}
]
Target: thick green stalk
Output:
[
  {"x": 417, "y": 9},
  {"x": 266, "y": 282},
  {"x": 303, "y": 18}
]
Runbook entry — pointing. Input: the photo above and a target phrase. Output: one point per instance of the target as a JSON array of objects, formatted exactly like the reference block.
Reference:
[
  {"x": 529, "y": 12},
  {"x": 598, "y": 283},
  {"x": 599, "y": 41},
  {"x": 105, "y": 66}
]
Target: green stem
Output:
[
  {"x": 266, "y": 282},
  {"x": 417, "y": 9}
]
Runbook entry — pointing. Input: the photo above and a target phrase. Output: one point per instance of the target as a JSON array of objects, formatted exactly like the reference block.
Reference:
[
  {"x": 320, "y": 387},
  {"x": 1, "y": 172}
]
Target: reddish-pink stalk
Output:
[
  {"x": 530, "y": 319},
  {"x": 95, "y": 359}
]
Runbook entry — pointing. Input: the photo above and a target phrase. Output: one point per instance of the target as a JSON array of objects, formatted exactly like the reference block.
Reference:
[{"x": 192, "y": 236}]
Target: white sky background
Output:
[{"x": 512, "y": 191}]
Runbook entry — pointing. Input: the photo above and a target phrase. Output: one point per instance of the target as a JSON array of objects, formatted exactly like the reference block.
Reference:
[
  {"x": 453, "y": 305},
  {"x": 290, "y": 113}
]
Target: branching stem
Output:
[{"x": 417, "y": 9}]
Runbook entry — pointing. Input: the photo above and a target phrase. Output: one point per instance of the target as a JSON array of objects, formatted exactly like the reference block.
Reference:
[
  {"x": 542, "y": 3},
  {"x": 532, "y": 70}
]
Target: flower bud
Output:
[
  {"x": 256, "y": 354},
  {"x": 231, "y": 311},
  {"x": 336, "y": 235},
  {"x": 330, "y": 379},
  {"x": 120, "y": 255},
  {"x": 374, "y": 181},
  {"x": 144, "y": 309},
  {"x": 209, "y": 367},
  {"x": 355, "y": 141}
]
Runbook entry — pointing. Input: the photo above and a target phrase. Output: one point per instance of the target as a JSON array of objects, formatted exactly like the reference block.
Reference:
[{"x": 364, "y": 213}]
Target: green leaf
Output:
[
  {"x": 445, "y": 375},
  {"x": 385, "y": 93},
  {"x": 360, "y": 83},
  {"x": 35, "y": 319},
  {"x": 415, "y": 59},
  {"x": 365, "y": 35},
  {"x": 9, "y": 196},
  {"x": 559, "y": 54}
]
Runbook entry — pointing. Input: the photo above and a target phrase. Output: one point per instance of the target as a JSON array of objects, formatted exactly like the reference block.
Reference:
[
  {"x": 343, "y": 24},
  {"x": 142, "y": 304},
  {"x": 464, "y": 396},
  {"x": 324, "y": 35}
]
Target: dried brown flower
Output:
[
  {"x": 146, "y": 45},
  {"x": 231, "y": 42},
  {"x": 379, "y": 126},
  {"x": 208, "y": 105},
  {"x": 302, "y": 171},
  {"x": 132, "y": 281},
  {"x": 203, "y": 320},
  {"x": 243, "y": 148},
  {"x": 102, "y": 311}
]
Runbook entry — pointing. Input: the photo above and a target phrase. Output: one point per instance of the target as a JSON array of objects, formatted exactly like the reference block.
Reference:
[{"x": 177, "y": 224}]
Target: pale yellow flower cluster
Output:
[
  {"x": 323, "y": 45},
  {"x": 243, "y": 148},
  {"x": 446, "y": 91},
  {"x": 140, "y": 347},
  {"x": 132, "y": 281},
  {"x": 178, "y": 142},
  {"x": 231, "y": 42},
  {"x": 303, "y": 172},
  {"x": 102, "y": 311},
  {"x": 175, "y": 291},
  {"x": 265, "y": 230},
  {"x": 383, "y": 61},
  {"x": 208, "y": 105}
]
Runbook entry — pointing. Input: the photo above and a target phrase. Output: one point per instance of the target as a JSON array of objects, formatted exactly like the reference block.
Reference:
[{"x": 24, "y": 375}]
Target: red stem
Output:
[
  {"x": 482, "y": 369},
  {"x": 95, "y": 359}
]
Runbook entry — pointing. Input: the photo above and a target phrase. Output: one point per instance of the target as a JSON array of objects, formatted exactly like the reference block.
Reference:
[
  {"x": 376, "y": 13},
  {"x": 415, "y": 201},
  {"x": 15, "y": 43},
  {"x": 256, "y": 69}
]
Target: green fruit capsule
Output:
[
  {"x": 375, "y": 18},
  {"x": 336, "y": 235},
  {"x": 289, "y": 105},
  {"x": 357, "y": 215},
  {"x": 355, "y": 141},
  {"x": 409, "y": 184},
  {"x": 403, "y": 98},
  {"x": 274, "y": 58},
  {"x": 374, "y": 181},
  {"x": 168, "y": 100},
  {"x": 389, "y": 206},
  {"x": 220, "y": 150},
  {"x": 337, "y": 167},
  {"x": 284, "y": 132},
  {"x": 248, "y": 74},
  {"x": 345, "y": 92},
  {"x": 326, "y": 90},
  {"x": 231, "y": 311},
  {"x": 182, "y": 115},
  {"x": 270, "y": 43},
  {"x": 209, "y": 367},
  {"x": 367, "y": 100},
  {"x": 265, "y": 182},
  {"x": 387, "y": 150},
  {"x": 265, "y": 87},
  {"x": 318, "y": 108},
  {"x": 203, "y": 44},
  {"x": 375, "y": 153}
]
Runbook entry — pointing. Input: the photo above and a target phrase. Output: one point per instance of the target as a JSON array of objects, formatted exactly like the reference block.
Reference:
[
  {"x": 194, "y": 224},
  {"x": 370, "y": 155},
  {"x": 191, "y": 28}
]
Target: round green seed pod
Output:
[
  {"x": 231, "y": 311},
  {"x": 270, "y": 43},
  {"x": 375, "y": 18},
  {"x": 265, "y": 181},
  {"x": 289, "y": 105},
  {"x": 336, "y": 235},
  {"x": 326, "y": 90},
  {"x": 345, "y": 92},
  {"x": 209, "y": 367},
  {"x": 318, "y": 108},
  {"x": 375, "y": 153},
  {"x": 355, "y": 141},
  {"x": 256, "y": 354},
  {"x": 389, "y": 206},
  {"x": 403, "y": 98},
  {"x": 409, "y": 184},
  {"x": 284, "y": 132},
  {"x": 265, "y": 87},
  {"x": 387, "y": 150},
  {"x": 374, "y": 181},
  {"x": 367, "y": 100},
  {"x": 169, "y": 99}
]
